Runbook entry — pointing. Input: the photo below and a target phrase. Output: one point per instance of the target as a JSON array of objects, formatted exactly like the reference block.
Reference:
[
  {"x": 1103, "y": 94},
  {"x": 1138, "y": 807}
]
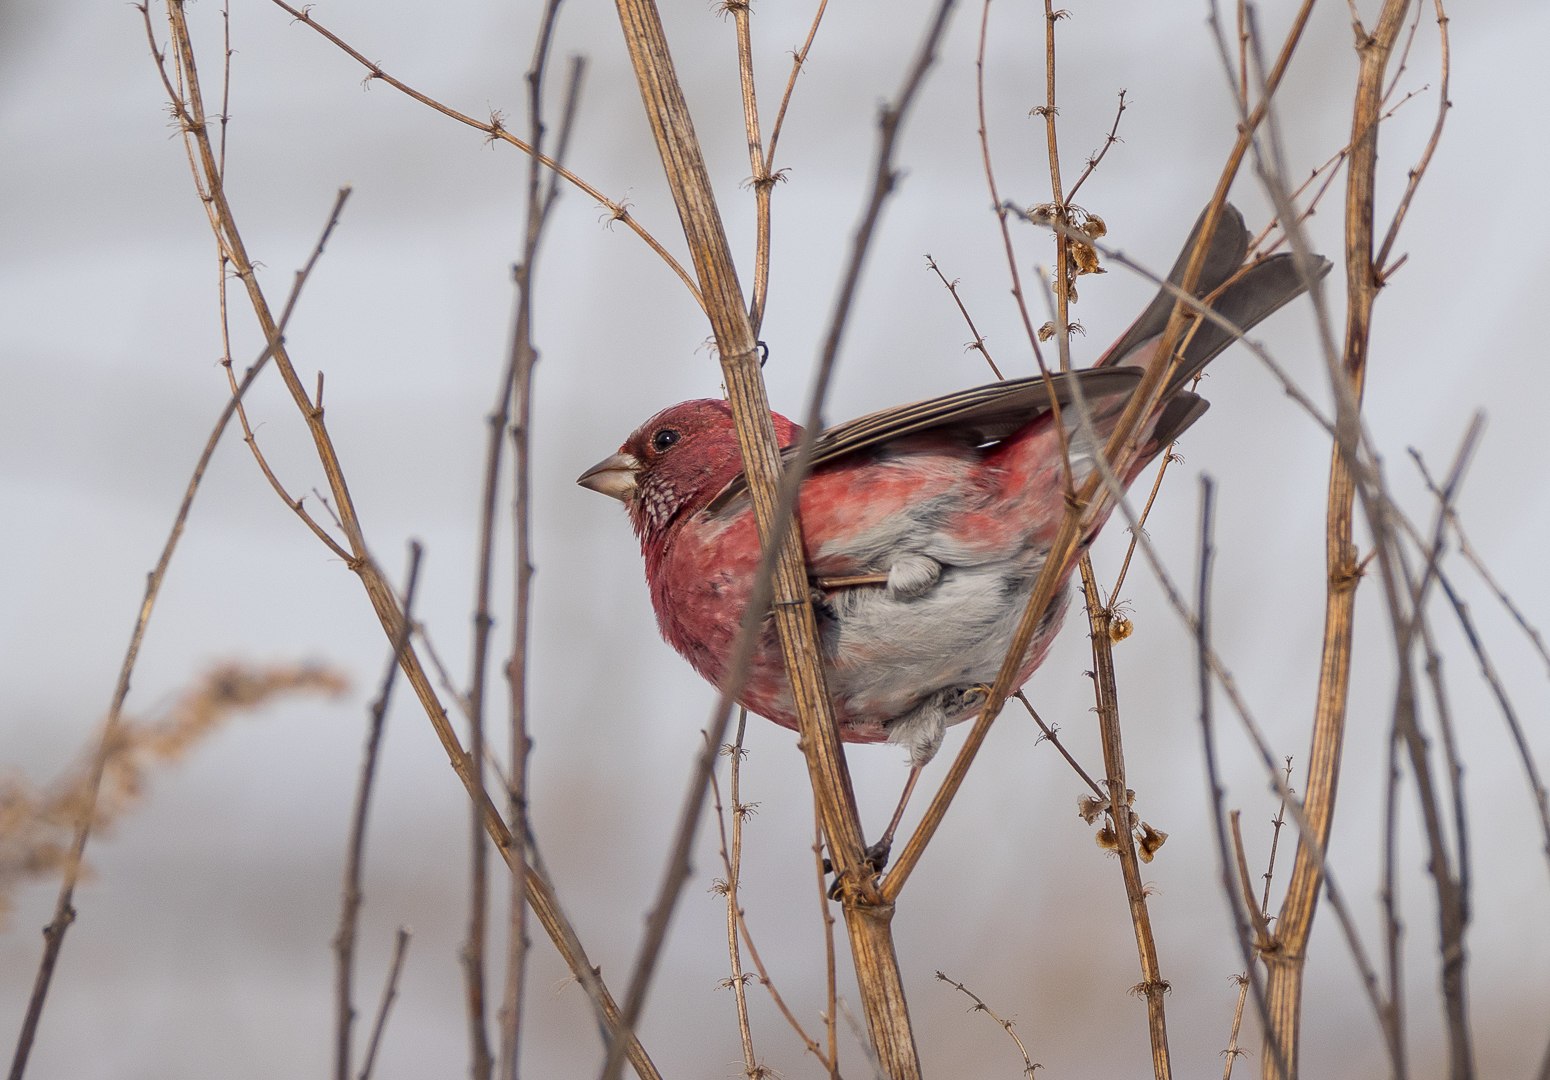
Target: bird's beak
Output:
[{"x": 613, "y": 476}]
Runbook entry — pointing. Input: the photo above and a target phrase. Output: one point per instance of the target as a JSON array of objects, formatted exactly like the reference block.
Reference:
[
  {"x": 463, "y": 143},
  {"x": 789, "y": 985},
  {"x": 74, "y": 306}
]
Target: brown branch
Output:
[
  {"x": 1153, "y": 987},
  {"x": 798, "y": 58},
  {"x": 493, "y": 130},
  {"x": 540, "y": 894},
  {"x": 773, "y": 498},
  {"x": 1096, "y": 158},
  {"x": 350, "y": 904},
  {"x": 732, "y": 862},
  {"x": 978, "y": 344},
  {"x": 1467, "y": 550},
  {"x": 1052, "y": 736},
  {"x": 1240, "y": 895},
  {"x": 389, "y": 994},
  {"x": 517, "y": 396},
  {"x": 737, "y": 922},
  {"x": 1120, "y": 447},
  {"x": 1001, "y": 210},
  {"x": 64, "y": 910},
  {"x": 761, "y": 178},
  {"x": 1294, "y": 927},
  {"x": 1418, "y": 170},
  {"x": 1029, "y": 1065}
]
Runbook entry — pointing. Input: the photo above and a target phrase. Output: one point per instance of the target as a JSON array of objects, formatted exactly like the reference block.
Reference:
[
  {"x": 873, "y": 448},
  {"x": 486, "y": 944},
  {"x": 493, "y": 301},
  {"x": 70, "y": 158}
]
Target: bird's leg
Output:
[
  {"x": 877, "y": 854},
  {"x": 875, "y": 857}
]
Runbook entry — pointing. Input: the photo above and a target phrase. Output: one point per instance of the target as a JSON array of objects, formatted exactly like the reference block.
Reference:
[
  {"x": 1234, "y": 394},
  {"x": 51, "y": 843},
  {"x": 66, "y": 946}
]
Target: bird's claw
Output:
[{"x": 873, "y": 861}]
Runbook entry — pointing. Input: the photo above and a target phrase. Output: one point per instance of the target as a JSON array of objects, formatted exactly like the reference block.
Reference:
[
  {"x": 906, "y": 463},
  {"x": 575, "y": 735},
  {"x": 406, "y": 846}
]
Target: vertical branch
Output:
[
  {"x": 350, "y": 905},
  {"x": 189, "y": 111},
  {"x": 64, "y": 905},
  {"x": 762, "y": 179},
  {"x": 517, "y": 396},
  {"x": 1286, "y": 964},
  {"x": 871, "y": 940},
  {"x": 867, "y": 920},
  {"x": 389, "y": 994},
  {"x": 1153, "y": 987},
  {"x": 732, "y": 862}
]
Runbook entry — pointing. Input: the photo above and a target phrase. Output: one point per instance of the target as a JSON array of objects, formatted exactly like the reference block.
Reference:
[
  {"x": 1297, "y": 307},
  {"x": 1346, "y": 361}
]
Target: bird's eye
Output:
[{"x": 664, "y": 439}]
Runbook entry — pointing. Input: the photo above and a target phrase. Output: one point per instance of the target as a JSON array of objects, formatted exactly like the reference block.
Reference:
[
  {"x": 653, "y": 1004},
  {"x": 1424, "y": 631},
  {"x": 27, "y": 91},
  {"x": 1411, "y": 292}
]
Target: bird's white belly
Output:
[{"x": 887, "y": 652}]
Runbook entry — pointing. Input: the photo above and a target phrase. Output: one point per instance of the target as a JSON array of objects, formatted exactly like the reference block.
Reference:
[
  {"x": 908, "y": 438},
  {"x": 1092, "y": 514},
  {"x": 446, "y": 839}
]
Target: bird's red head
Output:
[{"x": 675, "y": 463}]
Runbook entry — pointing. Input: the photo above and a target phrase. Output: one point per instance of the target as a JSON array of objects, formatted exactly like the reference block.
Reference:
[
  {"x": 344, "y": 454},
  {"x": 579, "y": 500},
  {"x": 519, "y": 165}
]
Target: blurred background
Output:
[{"x": 202, "y": 946}]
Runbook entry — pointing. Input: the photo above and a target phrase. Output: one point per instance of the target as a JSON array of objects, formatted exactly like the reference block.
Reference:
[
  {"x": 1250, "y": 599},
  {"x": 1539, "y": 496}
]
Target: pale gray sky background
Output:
[{"x": 202, "y": 944}]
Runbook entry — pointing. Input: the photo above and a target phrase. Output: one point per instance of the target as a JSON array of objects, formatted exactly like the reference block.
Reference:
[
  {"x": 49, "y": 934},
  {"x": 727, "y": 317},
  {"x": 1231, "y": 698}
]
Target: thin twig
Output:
[
  {"x": 389, "y": 994},
  {"x": 1233, "y": 1052},
  {"x": 1240, "y": 897},
  {"x": 517, "y": 396},
  {"x": 761, "y": 179},
  {"x": 350, "y": 905},
  {"x": 1471, "y": 556},
  {"x": 1051, "y": 735},
  {"x": 64, "y": 909},
  {"x": 1095, "y": 159},
  {"x": 1012, "y": 262},
  {"x": 826, "y": 915},
  {"x": 1418, "y": 170},
  {"x": 798, "y": 58},
  {"x": 978, "y": 344},
  {"x": 1029, "y": 1065},
  {"x": 773, "y": 501},
  {"x": 189, "y": 111},
  {"x": 493, "y": 129},
  {"x": 732, "y": 862}
]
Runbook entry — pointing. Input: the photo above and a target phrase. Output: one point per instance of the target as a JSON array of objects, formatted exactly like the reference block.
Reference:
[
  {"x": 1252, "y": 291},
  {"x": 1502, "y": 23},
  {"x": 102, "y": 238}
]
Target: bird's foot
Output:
[{"x": 873, "y": 861}]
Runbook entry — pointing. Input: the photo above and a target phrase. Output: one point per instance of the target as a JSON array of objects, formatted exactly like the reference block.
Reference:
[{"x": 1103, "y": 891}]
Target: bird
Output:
[{"x": 925, "y": 526}]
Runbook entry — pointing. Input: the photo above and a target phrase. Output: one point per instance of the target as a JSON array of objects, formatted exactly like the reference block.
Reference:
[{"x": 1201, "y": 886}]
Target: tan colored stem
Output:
[
  {"x": 379, "y": 591},
  {"x": 877, "y": 969},
  {"x": 1285, "y": 965},
  {"x": 1153, "y": 987}
]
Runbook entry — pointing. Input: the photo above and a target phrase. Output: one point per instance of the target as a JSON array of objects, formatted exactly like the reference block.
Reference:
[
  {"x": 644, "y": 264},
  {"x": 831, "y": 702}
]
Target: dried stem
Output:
[
  {"x": 1536, "y": 783},
  {"x": 1467, "y": 550},
  {"x": 1294, "y": 927},
  {"x": 871, "y": 941},
  {"x": 1052, "y": 736},
  {"x": 389, "y": 994},
  {"x": 979, "y": 1006},
  {"x": 1080, "y": 506},
  {"x": 732, "y": 863},
  {"x": 493, "y": 130},
  {"x": 1012, "y": 265},
  {"x": 761, "y": 178},
  {"x": 1153, "y": 987},
  {"x": 672, "y": 129},
  {"x": 64, "y": 909},
  {"x": 189, "y": 111},
  {"x": 978, "y": 344},
  {"x": 1240, "y": 894},
  {"x": 350, "y": 905},
  {"x": 1096, "y": 158},
  {"x": 524, "y": 355},
  {"x": 798, "y": 58}
]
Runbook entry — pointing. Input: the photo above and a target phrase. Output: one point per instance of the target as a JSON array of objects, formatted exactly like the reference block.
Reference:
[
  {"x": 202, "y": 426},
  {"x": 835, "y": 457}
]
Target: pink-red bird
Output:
[{"x": 925, "y": 525}]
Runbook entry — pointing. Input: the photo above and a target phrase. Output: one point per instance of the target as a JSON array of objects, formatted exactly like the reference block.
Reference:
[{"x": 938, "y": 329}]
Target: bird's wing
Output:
[{"x": 981, "y": 415}]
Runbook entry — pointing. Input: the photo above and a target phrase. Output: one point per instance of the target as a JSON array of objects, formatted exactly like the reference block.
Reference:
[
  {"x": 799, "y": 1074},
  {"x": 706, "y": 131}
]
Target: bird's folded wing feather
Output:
[{"x": 979, "y": 415}]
